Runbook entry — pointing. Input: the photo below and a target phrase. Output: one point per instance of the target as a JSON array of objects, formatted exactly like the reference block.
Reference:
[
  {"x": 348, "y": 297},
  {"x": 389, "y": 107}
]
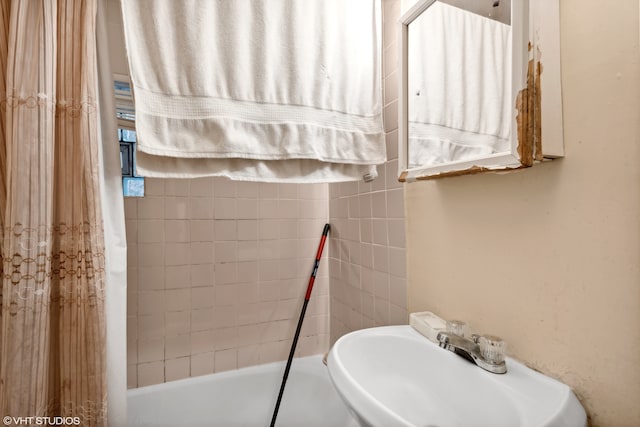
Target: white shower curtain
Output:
[{"x": 114, "y": 234}]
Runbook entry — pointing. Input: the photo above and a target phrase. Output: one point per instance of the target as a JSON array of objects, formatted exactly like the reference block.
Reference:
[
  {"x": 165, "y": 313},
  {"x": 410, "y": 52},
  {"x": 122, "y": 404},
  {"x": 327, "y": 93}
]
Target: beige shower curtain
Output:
[{"x": 52, "y": 318}]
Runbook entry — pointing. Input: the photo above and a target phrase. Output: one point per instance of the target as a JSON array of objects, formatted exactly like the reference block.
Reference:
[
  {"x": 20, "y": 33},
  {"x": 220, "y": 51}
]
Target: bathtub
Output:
[{"x": 245, "y": 397}]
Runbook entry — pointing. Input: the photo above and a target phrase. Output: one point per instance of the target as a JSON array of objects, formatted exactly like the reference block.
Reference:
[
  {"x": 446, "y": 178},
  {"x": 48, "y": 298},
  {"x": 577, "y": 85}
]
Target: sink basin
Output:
[{"x": 393, "y": 376}]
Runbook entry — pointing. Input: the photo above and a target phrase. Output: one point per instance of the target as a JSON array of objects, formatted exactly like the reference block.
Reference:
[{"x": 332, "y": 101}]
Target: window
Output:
[{"x": 132, "y": 184}]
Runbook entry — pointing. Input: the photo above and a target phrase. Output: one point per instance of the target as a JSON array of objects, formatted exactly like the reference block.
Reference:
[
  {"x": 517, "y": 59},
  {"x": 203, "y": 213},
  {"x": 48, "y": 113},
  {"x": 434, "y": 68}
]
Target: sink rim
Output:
[{"x": 566, "y": 409}]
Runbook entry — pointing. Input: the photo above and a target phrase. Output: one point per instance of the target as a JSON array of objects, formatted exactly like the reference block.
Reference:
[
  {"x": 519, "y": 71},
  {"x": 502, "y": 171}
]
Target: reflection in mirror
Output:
[
  {"x": 460, "y": 105},
  {"x": 500, "y": 10}
]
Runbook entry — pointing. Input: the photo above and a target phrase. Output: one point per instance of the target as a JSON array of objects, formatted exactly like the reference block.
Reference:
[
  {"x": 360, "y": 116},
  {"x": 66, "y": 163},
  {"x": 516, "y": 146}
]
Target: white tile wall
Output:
[
  {"x": 217, "y": 273},
  {"x": 367, "y": 245},
  {"x": 218, "y": 269}
]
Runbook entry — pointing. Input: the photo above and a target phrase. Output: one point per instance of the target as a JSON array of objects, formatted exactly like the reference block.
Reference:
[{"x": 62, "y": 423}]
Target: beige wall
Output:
[
  {"x": 117, "y": 52},
  {"x": 549, "y": 257}
]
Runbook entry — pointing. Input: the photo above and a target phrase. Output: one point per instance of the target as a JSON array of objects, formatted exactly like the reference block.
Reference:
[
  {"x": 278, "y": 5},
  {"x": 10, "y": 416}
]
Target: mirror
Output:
[
  {"x": 468, "y": 96},
  {"x": 459, "y": 109}
]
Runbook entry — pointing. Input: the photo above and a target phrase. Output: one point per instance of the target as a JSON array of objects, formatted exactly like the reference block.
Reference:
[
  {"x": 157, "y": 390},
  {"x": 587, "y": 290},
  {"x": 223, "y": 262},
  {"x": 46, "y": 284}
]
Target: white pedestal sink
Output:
[{"x": 393, "y": 376}]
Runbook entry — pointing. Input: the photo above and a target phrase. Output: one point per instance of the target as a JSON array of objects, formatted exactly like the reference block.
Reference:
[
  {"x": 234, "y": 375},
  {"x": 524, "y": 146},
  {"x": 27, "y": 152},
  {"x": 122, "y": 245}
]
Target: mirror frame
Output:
[{"x": 517, "y": 156}]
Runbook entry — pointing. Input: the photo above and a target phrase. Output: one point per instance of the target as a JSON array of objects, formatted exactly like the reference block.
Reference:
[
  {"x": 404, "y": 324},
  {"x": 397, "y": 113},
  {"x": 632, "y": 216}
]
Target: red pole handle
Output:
[{"x": 312, "y": 280}]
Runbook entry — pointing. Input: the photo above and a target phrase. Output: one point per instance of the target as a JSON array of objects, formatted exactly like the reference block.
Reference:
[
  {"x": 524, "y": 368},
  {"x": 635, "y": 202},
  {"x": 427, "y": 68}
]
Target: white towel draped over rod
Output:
[{"x": 258, "y": 90}]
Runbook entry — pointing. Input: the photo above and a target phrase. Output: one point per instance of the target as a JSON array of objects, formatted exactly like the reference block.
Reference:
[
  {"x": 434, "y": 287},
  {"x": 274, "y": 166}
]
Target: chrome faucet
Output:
[{"x": 486, "y": 351}]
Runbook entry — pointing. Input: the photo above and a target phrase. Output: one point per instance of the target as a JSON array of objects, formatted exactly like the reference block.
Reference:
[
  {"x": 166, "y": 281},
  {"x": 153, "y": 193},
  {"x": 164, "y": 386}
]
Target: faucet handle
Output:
[
  {"x": 457, "y": 327},
  {"x": 492, "y": 348}
]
